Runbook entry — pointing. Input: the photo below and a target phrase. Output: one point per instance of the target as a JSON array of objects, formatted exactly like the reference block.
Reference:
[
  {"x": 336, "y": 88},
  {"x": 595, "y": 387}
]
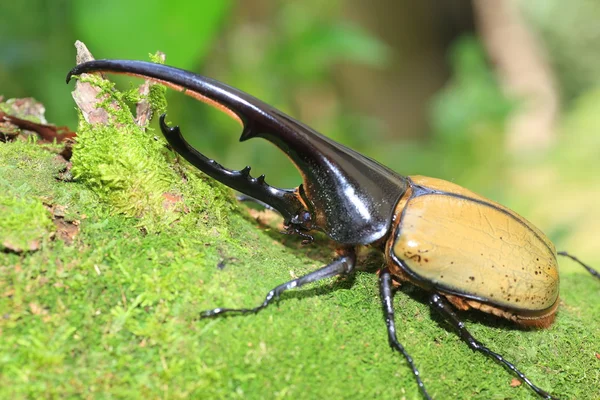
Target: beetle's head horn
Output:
[{"x": 350, "y": 197}]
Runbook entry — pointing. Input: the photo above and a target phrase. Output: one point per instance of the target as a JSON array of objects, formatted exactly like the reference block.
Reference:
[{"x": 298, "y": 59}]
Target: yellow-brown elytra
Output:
[{"x": 465, "y": 250}]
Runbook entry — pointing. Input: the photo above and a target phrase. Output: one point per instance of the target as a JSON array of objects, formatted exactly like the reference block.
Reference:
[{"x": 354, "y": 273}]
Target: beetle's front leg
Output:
[
  {"x": 342, "y": 265},
  {"x": 385, "y": 290},
  {"x": 441, "y": 305}
]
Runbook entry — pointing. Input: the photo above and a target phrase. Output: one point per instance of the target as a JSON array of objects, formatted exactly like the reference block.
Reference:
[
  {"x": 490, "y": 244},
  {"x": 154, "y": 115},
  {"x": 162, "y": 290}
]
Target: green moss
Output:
[
  {"x": 157, "y": 98},
  {"x": 128, "y": 167},
  {"x": 24, "y": 225},
  {"x": 157, "y": 95},
  {"x": 116, "y": 313}
]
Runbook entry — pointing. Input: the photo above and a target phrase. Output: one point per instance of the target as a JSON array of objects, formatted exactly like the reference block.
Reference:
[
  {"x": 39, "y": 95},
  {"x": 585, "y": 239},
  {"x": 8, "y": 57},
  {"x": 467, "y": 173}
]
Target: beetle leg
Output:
[
  {"x": 342, "y": 265},
  {"x": 286, "y": 201},
  {"x": 294, "y": 230},
  {"x": 385, "y": 290},
  {"x": 441, "y": 305},
  {"x": 577, "y": 260}
]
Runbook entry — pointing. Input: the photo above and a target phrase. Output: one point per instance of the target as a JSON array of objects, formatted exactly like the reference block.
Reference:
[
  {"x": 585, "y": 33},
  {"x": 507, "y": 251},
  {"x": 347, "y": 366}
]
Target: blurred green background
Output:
[{"x": 432, "y": 88}]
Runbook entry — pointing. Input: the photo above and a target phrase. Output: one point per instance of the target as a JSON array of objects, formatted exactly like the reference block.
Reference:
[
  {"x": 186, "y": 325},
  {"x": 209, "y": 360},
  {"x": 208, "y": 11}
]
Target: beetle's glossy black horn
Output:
[{"x": 351, "y": 197}]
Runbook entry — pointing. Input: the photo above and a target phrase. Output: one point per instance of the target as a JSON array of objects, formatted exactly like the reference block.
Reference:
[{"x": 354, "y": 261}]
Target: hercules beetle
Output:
[{"x": 466, "y": 250}]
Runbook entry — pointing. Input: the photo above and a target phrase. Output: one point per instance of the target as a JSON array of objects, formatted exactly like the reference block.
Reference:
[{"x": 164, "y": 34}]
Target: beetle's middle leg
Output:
[
  {"x": 342, "y": 265},
  {"x": 441, "y": 305},
  {"x": 385, "y": 290}
]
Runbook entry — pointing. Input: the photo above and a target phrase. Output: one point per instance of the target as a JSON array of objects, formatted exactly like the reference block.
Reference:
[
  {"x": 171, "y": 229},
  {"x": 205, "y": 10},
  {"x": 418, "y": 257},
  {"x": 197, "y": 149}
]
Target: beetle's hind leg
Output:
[
  {"x": 342, "y": 265},
  {"x": 385, "y": 290},
  {"x": 584, "y": 265},
  {"x": 441, "y": 305}
]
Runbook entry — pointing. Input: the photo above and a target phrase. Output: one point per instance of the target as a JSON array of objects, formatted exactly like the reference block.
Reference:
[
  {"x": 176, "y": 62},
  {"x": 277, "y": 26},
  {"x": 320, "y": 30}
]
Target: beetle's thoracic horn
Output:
[{"x": 349, "y": 196}]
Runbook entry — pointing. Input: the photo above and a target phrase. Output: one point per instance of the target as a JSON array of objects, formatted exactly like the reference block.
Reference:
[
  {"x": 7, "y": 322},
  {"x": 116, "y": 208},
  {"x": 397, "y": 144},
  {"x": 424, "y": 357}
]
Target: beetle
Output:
[{"x": 467, "y": 251}]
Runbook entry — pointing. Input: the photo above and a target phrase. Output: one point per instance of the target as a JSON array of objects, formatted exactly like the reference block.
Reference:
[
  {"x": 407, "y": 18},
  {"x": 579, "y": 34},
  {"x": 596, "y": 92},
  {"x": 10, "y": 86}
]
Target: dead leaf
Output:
[
  {"x": 48, "y": 133},
  {"x": 65, "y": 230},
  {"x": 32, "y": 245}
]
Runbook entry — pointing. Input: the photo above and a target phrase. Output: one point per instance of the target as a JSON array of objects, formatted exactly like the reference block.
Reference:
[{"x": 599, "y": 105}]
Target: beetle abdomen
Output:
[{"x": 466, "y": 245}]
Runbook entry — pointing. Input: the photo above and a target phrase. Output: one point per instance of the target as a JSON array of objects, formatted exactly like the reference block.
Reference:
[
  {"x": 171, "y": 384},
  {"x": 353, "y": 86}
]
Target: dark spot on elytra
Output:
[
  {"x": 415, "y": 257},
  {"x": 472, "y": 278}
]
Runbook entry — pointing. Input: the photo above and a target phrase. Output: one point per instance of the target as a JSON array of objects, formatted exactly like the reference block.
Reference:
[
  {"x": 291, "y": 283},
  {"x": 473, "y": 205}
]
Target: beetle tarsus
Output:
[
  {"x": 385, "y": 290},
  {"x": 342, "y": 265},
  {"x": 577, "y": 260},
  {"x": 441, "y": 305}
]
